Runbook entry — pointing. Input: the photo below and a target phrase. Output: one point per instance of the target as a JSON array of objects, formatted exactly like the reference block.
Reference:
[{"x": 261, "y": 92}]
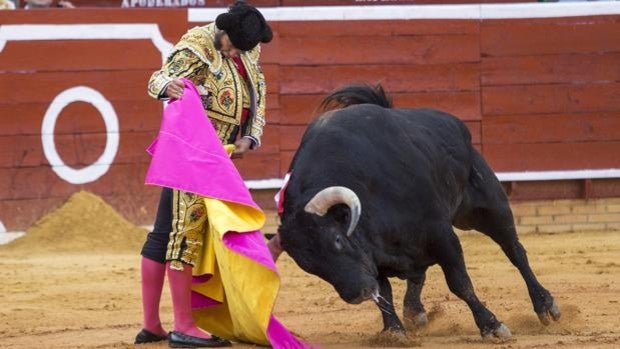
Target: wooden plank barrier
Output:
[
  {"x": 260, "y": 3},
  {"x": 549, "y": 90},
  {"x": 536, "y": 94}
]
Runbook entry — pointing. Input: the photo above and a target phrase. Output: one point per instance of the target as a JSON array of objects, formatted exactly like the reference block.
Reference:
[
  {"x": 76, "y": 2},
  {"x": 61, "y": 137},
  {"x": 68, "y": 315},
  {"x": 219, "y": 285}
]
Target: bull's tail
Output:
[{"x": 356, "y": 94}]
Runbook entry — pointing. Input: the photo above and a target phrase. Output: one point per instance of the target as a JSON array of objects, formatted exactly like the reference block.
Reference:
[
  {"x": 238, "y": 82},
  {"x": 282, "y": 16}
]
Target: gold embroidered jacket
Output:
[{"x": 223, "y": 91}]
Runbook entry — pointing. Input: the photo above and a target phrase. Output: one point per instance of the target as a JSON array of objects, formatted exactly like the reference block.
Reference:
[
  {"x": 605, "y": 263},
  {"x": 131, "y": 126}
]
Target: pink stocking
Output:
[
  {"x": 180, "y": 289},
  {"x": 152, "y": 283}
]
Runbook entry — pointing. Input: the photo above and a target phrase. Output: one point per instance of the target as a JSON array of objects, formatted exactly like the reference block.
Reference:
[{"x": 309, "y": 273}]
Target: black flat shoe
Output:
[
  {"x": 145, "y": 336},
  {"x": 180, "y": 340}
]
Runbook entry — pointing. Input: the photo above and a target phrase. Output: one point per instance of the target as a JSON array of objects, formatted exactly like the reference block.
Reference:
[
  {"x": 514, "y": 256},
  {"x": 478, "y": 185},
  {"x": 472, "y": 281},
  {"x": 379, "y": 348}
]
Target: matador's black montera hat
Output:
[{"x": 245, "y": 26}]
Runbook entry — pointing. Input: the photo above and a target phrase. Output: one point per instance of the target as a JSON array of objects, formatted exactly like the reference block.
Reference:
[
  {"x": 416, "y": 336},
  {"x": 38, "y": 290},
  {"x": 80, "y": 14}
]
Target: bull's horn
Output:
[{"x": 331, "y": 196}]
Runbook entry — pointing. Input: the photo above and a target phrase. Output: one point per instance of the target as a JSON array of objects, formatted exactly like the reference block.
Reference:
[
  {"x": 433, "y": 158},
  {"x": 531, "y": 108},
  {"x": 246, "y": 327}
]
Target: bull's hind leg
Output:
[
  {"x": 498, "y": 224},
  {"x": 414, "y": 313},
  {"x": 447, "y": 249},
  {"x": 485, "y": 208}
]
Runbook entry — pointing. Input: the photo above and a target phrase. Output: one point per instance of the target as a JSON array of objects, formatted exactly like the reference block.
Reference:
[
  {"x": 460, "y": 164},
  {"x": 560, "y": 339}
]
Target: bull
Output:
[{"x": 374, "y": 193}]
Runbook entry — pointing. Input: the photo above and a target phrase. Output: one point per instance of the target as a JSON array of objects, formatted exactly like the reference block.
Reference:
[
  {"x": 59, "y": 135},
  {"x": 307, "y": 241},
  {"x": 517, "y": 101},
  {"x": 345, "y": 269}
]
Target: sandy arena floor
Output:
[{"x": 92, "y": 299}]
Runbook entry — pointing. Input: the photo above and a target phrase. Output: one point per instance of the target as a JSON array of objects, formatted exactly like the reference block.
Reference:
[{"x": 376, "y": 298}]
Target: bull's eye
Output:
[{"x": 338, "y": 243}]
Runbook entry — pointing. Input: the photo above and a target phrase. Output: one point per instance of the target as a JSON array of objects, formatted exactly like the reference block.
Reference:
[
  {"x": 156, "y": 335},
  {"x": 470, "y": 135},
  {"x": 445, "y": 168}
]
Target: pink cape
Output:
[{"x": 187, "y": 155}]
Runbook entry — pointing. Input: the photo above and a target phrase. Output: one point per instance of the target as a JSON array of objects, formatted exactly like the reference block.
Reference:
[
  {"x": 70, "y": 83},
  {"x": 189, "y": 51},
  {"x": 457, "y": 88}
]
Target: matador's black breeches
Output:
[{"x": 179, "y": 230}]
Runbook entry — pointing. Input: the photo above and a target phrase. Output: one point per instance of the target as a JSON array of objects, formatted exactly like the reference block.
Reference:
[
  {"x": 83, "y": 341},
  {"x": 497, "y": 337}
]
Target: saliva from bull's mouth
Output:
[{"x": 381, "y": 302}]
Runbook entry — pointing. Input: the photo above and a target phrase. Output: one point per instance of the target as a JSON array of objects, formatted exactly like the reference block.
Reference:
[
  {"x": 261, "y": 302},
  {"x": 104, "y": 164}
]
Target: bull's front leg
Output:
[
  {"x": 414, "y": 313},
  {"x": 391, "y": 322}
]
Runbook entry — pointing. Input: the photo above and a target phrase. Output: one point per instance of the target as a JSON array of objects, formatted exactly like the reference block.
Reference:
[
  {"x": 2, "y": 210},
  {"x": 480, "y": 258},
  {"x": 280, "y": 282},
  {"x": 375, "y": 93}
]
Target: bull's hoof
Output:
[
  {"x": 552, "y": 313},
  {"x": 501, "y": 333},
  {"x": 395, "y": 328},
  {"x": 387, "y": 339},
  {"x": 417, "y": 321}
]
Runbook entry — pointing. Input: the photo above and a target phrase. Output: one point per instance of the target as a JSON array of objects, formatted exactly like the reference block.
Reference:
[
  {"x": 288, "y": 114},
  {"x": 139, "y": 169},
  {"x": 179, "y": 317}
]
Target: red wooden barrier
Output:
[
  {"x": 537, "y": 95},
  {"x": 224, "y": 3}
]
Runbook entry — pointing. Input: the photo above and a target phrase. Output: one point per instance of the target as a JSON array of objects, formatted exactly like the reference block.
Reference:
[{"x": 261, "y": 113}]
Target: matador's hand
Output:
[
  {"x": 241, "y": 147},
  {"x": 175, "y": 89}
]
